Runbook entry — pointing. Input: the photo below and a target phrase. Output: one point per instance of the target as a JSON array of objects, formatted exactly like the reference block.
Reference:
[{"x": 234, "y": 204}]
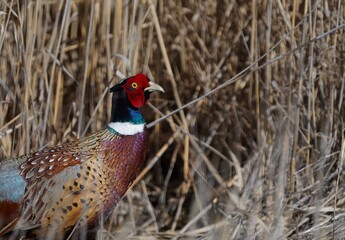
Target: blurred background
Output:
[{"x": 260, "y": 152}]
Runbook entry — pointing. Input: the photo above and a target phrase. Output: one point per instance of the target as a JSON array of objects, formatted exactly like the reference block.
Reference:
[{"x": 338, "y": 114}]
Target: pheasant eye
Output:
[{"x": 134, "y": 85}]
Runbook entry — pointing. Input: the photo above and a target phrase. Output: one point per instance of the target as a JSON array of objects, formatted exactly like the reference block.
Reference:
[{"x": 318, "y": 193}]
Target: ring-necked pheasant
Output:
[{"x": 49, "y": 193}]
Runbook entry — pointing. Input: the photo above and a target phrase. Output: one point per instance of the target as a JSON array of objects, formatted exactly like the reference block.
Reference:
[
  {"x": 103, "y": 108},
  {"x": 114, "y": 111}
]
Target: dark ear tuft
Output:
[
  {"x": 114, "y": 88},
  {"x": 118, "y": 86}
]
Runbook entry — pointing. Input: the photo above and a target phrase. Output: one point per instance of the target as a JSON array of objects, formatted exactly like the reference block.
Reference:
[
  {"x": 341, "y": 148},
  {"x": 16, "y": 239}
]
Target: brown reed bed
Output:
[{"x": 259, "y": 150}]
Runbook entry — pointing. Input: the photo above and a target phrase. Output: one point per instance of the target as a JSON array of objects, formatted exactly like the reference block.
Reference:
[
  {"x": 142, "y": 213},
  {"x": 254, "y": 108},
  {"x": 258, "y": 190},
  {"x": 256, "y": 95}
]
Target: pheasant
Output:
[{"x": 52, "y": 192}]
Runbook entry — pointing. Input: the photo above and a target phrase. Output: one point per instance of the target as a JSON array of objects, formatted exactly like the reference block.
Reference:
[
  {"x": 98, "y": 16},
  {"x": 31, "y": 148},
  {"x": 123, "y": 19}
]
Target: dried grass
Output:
[{"x": 256, "y": 148}]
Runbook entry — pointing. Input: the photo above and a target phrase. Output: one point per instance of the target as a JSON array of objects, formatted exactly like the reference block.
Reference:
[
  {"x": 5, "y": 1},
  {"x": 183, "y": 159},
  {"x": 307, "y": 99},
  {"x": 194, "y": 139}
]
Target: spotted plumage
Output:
[{"x": 77, "y": 184}]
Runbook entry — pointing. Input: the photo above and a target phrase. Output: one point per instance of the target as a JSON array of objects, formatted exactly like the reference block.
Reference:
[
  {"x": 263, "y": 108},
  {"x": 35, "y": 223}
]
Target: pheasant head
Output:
[{"x": 137, "y": 89}]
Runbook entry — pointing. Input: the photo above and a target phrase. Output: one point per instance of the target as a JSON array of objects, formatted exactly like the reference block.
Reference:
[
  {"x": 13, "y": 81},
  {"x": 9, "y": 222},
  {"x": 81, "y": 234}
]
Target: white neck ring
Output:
[{"x": 127, "y": 128}]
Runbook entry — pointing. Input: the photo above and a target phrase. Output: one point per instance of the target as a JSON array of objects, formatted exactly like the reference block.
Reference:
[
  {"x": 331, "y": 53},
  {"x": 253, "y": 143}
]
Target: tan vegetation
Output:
[{"x": 261, "y": 156}]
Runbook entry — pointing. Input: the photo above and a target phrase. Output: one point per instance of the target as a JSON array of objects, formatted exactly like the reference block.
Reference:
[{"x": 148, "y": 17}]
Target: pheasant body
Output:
[{"x": 77, "y": 184}]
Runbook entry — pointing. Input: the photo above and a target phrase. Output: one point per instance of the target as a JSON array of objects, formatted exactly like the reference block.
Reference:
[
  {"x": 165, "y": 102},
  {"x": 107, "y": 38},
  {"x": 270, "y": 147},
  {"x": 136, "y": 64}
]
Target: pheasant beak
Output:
[{"x": 154, "y": 87}]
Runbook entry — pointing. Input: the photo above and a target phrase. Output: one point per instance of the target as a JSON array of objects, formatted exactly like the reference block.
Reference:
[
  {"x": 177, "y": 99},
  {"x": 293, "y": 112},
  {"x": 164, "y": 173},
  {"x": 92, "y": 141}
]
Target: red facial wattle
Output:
[
  {"x": 136, "y": 97},
  {"x": 134, "y": 88}
]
